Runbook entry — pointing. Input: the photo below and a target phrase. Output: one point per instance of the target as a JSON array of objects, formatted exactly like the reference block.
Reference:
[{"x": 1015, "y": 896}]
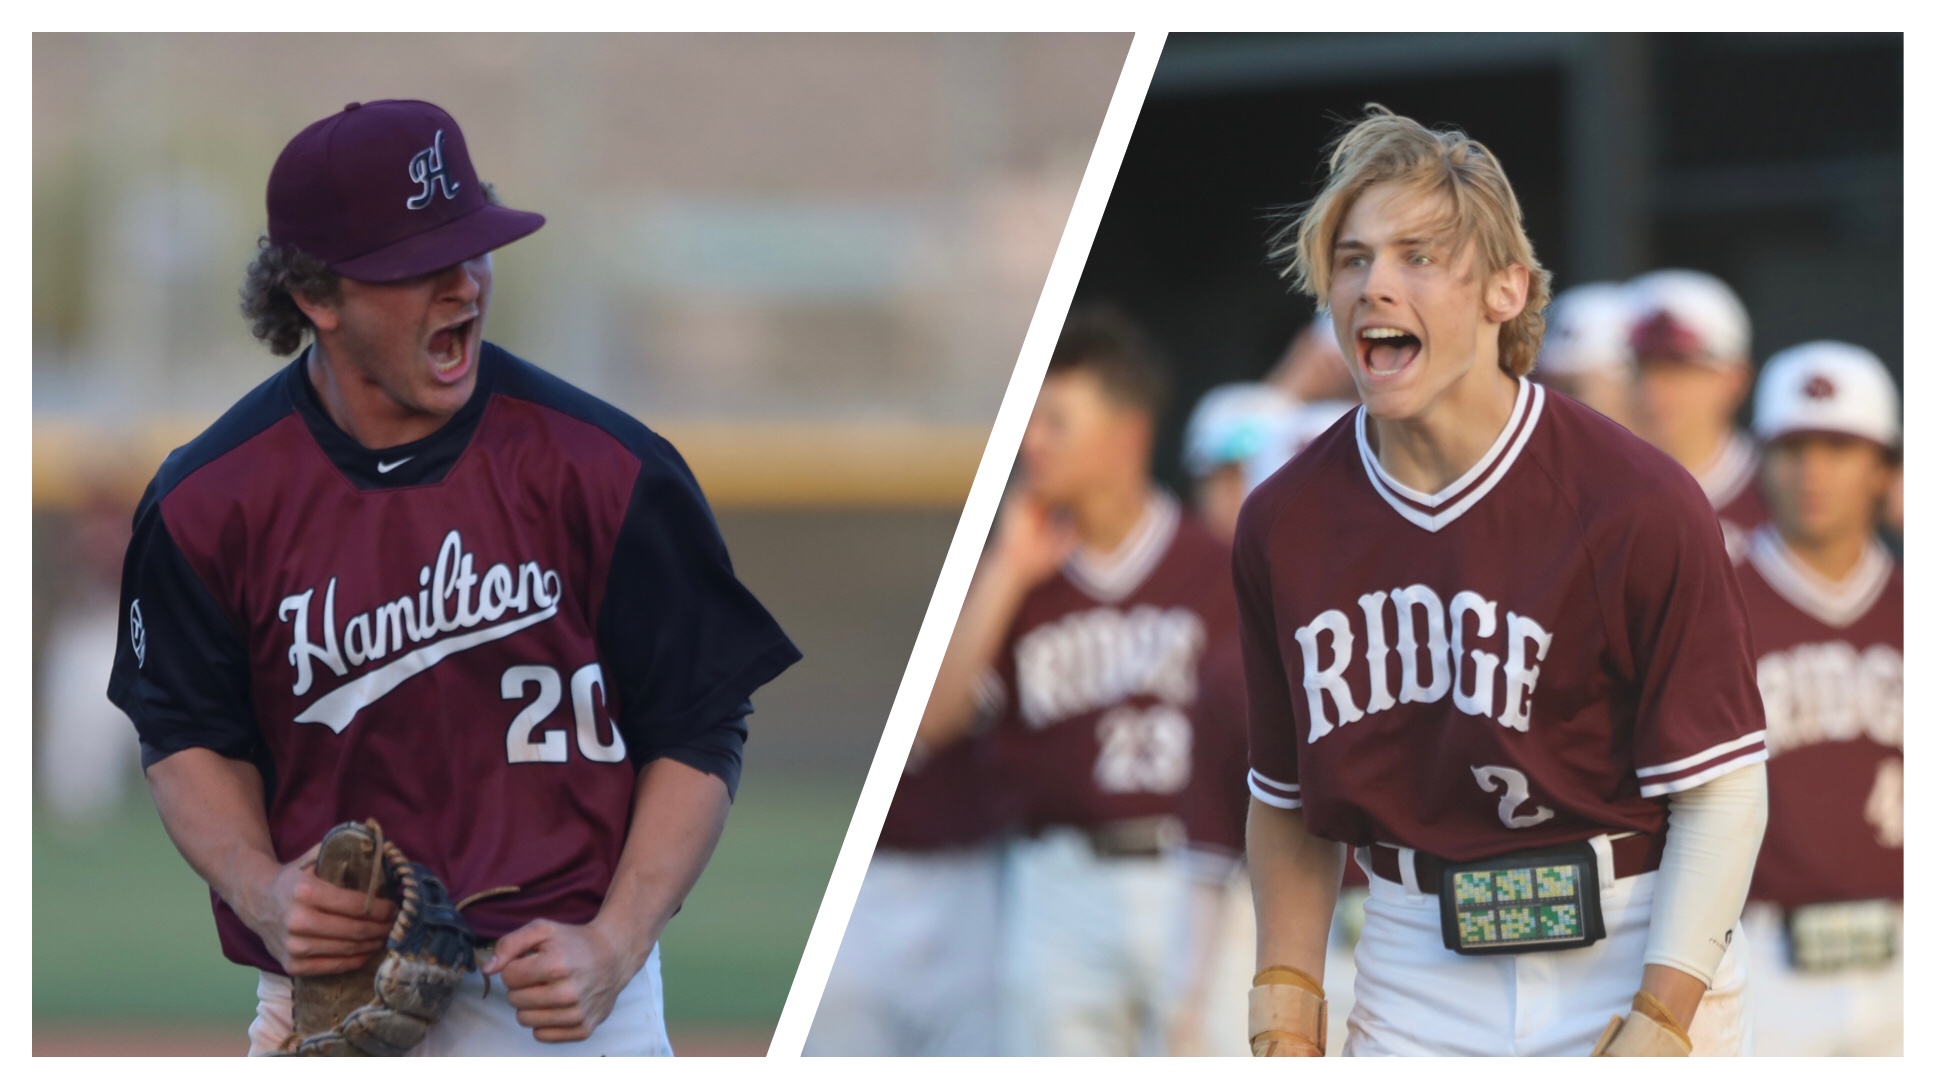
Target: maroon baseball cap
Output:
[{"x": 385, "y": 191}]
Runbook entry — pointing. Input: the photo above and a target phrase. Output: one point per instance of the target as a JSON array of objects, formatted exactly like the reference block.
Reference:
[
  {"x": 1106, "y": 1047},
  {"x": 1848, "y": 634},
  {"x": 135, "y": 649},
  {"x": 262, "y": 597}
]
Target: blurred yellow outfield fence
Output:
[{"x": 740, "y": 463}]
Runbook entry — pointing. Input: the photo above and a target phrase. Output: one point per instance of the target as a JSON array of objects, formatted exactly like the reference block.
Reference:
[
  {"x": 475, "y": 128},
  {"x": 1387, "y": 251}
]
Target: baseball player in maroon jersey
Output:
[
  {"x": 918, "y": 974},
  {"x": 1690, "y": 339},
  {"x": 1082, "y": 637},
  {"x": 1825, "y": 600},
  {"x": 1492, "y": 640},
  {"x": 412, "y": 577}
]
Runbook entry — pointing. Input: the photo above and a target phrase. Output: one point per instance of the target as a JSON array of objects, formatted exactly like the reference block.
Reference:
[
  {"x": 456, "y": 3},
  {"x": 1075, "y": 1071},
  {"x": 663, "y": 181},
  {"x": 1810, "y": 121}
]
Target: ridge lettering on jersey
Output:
[
  {"x": 1101, "y": 657},
  {"x": 1831, "y": 691},
  {"x": 452, "y": 598},
  {"x": 1437, "y": 653}
]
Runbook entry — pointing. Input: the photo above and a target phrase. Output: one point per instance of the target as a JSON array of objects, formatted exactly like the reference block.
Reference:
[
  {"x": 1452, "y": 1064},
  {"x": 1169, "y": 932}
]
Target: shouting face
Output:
[
  {"x": 1416, "y": 317},
  {"x": 407, "y": 350}
]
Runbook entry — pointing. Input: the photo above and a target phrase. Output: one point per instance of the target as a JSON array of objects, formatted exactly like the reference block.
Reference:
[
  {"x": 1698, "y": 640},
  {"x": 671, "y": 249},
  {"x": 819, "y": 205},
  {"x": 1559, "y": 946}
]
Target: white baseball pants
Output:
[
  {"x": 1856, "y": 1011},
  {"x": 1416, "y": 997},
  {"x": 1090, "y": 948},
  {"x": 917, "y": 972}
]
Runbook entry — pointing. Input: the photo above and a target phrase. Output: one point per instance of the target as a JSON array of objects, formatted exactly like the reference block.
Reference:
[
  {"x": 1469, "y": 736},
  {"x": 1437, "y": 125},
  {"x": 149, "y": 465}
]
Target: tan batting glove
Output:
[
  {"x": 1648, "y": 1031},
  {"x": 1287, "y": 1013}
]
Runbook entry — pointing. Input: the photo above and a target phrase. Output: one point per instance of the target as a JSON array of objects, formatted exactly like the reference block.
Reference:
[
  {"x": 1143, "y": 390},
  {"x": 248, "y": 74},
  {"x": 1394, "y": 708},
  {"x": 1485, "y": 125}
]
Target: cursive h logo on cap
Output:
[{"x": 427, "y": 170}]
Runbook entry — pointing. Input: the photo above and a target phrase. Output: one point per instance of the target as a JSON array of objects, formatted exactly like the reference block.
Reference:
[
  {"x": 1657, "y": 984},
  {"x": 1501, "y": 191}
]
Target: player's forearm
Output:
[
  {"x": 986, "y": 614},
  {"x": 212, "y": 808},
  {"x": 1294, "y": 879},
  {"x": 1713, "y": 835},
  {"x": 678, "y": 814}
]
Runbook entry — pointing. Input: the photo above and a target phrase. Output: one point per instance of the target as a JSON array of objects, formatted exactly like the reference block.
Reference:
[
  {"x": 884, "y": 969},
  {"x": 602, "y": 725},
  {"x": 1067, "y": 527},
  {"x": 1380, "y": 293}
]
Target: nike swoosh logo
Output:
[
  {"x": 340, "y": 706},
  {"x": 386, "y": 466}
]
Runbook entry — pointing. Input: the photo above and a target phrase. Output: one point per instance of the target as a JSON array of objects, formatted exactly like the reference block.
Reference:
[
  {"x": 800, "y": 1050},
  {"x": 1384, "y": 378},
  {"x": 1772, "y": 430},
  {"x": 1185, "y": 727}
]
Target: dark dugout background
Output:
[{"x": 1771, "y": 160}]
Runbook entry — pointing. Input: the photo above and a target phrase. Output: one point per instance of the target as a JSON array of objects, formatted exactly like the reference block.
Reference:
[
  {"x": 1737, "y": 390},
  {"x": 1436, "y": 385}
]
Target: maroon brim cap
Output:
[
  {"x": 459, "y": 240},
  {"x": 385, "y": 191}
]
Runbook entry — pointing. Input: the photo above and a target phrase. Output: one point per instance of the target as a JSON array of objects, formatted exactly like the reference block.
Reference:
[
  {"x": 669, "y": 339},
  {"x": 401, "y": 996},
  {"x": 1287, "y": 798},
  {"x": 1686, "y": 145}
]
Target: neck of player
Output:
[
  {"x": 1105, "y": 515},
  {"x": 1438, "y": 445},
  {"x": 1699, "y": 449},
  {"x": 361, "y": 406},
  {"x": 1832, "y": 556}
]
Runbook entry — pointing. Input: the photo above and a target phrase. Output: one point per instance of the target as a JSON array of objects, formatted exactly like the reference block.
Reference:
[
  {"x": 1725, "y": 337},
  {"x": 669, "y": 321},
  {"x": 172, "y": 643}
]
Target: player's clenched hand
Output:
[
  {"x": 563, "y": 980},
  {"x": 1033, "y": 540},
  {"x": 314, "y": 928}
]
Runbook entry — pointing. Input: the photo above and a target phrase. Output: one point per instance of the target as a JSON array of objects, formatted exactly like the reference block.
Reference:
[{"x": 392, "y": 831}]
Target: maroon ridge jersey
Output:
[
  {"x": 1733, "y": 486},
  {"x": 1096, "y": 685},
  {"x": 476, "y": 638},
  {"x": 1534, "y": 655},
  {"x": 949, "y": 799},
  {"x": 1831, "y": 681}
]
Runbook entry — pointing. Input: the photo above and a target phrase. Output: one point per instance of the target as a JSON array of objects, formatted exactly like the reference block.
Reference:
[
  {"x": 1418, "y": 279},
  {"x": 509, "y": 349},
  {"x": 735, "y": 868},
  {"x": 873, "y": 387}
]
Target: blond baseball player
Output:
[{"x": 1493, "y": 641}]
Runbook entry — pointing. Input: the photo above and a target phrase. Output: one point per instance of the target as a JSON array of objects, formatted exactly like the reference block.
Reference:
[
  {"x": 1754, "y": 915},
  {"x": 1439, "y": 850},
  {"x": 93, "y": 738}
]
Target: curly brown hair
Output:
[{"x": 275, "y": 277}]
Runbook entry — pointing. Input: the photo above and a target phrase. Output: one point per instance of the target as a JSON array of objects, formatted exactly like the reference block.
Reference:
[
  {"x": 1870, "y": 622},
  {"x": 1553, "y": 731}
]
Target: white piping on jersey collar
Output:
[
  {"x": 1731, "y": 471},
  {"x": 1837, "y": 604},
  {"x": 1462, "y": 493},
  {"x": 1110, "y": 577}
]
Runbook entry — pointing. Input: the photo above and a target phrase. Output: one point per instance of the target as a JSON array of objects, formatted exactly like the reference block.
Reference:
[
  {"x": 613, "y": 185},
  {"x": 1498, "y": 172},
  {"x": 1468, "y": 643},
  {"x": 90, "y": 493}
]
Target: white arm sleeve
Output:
[{"x": 1713, "y": 835}]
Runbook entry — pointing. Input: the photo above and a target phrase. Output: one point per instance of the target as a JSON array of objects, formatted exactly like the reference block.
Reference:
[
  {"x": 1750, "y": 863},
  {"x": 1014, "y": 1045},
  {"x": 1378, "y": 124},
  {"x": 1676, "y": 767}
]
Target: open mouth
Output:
[
  {"x": 448, "y": 346},
  {"x": 1385, "y": 350}
]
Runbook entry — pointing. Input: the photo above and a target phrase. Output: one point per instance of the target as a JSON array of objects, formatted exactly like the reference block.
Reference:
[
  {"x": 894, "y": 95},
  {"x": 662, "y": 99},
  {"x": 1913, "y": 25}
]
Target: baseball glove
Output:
[{"x": 385, "y": 1007}]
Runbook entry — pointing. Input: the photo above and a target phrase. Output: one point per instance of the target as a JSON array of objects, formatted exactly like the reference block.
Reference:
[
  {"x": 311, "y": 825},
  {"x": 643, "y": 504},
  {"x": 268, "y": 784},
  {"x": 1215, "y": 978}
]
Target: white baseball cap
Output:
[
  {"x": 1829, "y": 387},
  {"x": 1587, "y": 331},
  {"x": 1681, "y": 312},
  {"x": 1231, "y": 423}
]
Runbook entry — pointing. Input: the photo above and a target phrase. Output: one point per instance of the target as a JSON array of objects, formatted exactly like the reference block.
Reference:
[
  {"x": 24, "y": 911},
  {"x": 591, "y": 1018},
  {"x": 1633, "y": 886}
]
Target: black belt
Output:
[{"x": 1632, "y": 855}]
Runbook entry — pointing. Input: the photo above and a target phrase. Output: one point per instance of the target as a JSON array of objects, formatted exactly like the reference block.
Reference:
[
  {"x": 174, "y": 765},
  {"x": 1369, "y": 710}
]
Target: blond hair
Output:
[{"x": 1384, "y": 147}]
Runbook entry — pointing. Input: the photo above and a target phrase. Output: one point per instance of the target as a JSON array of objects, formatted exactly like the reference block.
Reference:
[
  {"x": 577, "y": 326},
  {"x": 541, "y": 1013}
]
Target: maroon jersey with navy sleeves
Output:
[
  {"x": 1537, "y": 654},
  {"x": 476, "y": 638},
  {"x": 1830, "y": 670},
  {"x": 1096, "y": 684}
]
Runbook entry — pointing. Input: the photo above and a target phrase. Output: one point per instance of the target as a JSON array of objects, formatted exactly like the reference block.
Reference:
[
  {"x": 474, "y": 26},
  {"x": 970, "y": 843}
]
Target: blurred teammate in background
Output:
[
  {"x": 1083, "y": 635},
  {"x": 920, "y": 975},
  {"x": 1232, "y": 425},
  {"x": 1238, "y": 435},
  {"x": 1588, "y": 351},
  {"x": 85, "y": 760},
  {"x": 1690, "y": 340},
  {"x": 1317, "y": 378},
  {"x": 1825, "y": 602}
]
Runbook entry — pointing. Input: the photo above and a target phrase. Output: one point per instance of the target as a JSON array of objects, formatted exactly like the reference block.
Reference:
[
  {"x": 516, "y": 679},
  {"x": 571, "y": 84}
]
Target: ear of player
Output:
[{"x": 1288, "y": 1014}]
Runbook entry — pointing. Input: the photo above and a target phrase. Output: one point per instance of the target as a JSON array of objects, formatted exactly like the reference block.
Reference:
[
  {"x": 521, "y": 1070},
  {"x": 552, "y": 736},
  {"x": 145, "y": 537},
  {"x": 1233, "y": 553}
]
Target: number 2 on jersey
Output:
[
  {"x": 587, "y": 685},
  {"x": 1492, "y": 777}
]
